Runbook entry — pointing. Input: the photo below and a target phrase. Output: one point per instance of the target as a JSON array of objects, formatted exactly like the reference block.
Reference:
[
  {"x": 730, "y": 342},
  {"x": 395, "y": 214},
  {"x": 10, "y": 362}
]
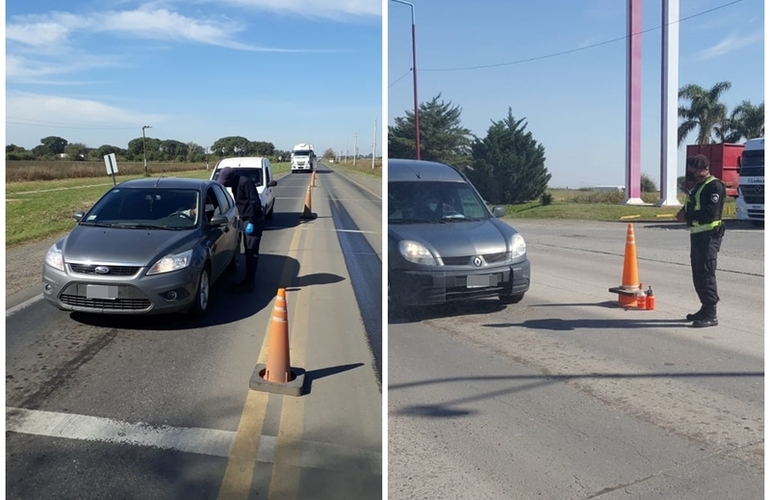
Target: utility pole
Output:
[
  {"x": 346, "y": 150},
  {"x": 144, "y": 149},
  {"x": 374, "y": 143},
  {"x": 355, "y": 148},
  {"x": 414, "y": 81}
]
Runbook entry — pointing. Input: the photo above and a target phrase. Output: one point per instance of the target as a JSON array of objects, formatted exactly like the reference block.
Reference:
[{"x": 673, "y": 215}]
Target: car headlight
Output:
[
  {"x": 54, "y": 258},
  {"x": 171, "y": 263},
  {"x": 416, "y": 252},
  {"x": 518, "y": 247}
]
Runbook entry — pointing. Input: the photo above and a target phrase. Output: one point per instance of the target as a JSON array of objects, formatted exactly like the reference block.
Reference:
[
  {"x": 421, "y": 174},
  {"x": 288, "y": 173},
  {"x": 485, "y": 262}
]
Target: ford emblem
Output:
[
  {"x": 477, "y": 261},
  {"x": 101, "y": 269}
]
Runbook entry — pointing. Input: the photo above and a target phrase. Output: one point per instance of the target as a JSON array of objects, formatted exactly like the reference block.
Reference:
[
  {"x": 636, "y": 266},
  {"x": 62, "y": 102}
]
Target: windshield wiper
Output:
[
  {"x": 97, "y": 224},
  {"x": 129, "y": 225}
]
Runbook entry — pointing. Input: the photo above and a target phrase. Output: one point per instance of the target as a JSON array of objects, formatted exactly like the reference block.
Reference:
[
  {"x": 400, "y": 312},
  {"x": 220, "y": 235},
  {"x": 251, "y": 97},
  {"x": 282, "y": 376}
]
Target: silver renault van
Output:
[{"x": 444, "y": 243}]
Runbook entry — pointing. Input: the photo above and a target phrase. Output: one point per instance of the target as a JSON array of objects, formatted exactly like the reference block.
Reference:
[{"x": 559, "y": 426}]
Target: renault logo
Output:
[
  {"x": 477, "y": 261},
  {"x": 101, "y": 269}
]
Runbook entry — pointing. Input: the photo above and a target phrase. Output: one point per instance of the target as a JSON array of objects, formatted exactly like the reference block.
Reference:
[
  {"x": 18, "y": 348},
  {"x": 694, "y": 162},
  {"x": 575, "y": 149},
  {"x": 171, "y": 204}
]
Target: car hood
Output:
[
  {"x": 458, "y": 239},
  {"x": 139, "y": 247}
]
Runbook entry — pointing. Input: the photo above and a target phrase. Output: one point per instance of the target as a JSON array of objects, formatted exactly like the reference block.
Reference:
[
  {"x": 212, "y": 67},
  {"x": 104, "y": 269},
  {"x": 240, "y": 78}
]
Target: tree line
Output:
[
  {"x": 156, "y": 150},
  {"x": 507, "y": 165}
]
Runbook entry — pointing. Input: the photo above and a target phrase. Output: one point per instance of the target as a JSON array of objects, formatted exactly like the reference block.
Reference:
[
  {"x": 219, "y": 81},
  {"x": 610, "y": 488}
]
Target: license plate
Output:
[
  {"x": 478, "y": 281},
  {"x": 108, "y": 292}
]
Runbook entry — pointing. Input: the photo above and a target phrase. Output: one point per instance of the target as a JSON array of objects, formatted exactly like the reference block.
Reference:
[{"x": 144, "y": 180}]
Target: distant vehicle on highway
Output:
[
  {"x": 259, "y": 170},
  {"x": 303, "y": 158},
  {"x": 147, "y": 246},
  {"x": 444, "y": 244}
]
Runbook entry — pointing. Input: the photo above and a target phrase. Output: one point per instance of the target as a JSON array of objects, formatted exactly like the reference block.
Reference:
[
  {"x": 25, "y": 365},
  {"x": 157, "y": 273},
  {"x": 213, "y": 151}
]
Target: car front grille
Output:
[
  {"x": 467, "y": 260},
  {"x": 90, "y": 269},
  {"x": 103, "y": 304}
]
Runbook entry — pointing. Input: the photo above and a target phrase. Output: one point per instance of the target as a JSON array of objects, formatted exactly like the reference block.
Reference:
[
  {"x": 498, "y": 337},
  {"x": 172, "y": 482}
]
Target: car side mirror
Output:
[
  {"x": 78, "y": 216},
  {"x": 498, "y": 211},
  {"x": 219, "y": 220},
  {"x": 272, "y": 183}
]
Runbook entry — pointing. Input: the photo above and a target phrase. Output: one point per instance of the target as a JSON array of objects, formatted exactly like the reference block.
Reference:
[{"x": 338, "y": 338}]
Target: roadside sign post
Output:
[{"x": 112, "y": 165}]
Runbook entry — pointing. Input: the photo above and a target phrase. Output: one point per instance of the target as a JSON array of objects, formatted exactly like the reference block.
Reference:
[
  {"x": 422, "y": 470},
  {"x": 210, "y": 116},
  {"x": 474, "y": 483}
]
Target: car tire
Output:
[
  {"x": 511, "y": 299},
  {"x": 269, "y": 213},
  {"x": 202, "y": 294}
]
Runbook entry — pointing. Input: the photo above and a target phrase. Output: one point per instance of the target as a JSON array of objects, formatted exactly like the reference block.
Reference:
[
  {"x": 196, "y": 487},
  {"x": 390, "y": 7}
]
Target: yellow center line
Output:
[
  {"x": 284, "y": 481},
  {"x": 236, "y": 482}
]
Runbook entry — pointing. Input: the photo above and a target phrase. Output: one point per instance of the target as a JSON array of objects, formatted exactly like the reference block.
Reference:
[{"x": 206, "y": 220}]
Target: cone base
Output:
[{"x": 292, "y": 388}]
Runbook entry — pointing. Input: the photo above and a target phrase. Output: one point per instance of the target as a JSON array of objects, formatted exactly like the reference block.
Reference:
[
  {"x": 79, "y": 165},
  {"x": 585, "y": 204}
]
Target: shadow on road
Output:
[
  {"x": 225, "y": 305},
  {"x": 319, "y": 373},
  {"x": 558, "y": 324},
  {"x": 405, "y": 315},
  {"x": 528, "y": 382}
]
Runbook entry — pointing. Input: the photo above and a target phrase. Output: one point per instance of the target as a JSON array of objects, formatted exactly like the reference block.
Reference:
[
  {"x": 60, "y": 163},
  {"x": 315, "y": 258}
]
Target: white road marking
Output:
[
  {"x": 23, "y": 305},
  {"x": 212, "y": 442}
]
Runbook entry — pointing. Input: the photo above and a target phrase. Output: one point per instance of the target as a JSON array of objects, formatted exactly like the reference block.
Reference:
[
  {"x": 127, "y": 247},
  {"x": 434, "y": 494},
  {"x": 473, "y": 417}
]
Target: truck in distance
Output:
[
  {"x": 750, "y": 204},
  {"x": 303, "y": 158}
]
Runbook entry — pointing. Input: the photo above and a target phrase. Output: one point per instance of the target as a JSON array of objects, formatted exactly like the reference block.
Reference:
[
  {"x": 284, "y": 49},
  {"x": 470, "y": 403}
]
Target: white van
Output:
[{"x": 258, "y": 169}]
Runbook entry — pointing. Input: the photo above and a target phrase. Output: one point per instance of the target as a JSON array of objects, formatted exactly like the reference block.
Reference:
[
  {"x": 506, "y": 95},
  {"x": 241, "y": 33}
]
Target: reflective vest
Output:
[{"x": 697, "y": 227}]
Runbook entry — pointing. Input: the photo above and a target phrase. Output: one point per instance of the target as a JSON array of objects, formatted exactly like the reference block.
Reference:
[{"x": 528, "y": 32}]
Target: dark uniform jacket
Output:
[
  {"x": 704, "y": 203},
  {"x": 246, "y": 198}
]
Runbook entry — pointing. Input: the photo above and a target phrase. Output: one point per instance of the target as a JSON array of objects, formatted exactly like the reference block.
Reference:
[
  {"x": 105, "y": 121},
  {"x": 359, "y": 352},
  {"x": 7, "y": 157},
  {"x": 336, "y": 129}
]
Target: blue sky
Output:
[
  {"x": 281, "y": 71},
  {"x": 574, "y": 104}
]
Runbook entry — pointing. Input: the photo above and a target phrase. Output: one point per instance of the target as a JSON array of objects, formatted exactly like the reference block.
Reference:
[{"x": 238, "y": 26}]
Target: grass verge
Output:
[{"x": 41, "y": 209}]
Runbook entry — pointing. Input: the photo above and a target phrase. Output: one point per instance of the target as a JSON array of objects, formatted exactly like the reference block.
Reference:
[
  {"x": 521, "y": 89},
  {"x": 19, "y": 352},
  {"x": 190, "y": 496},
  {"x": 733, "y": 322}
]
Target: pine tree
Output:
[{"x": 509, "y": 164}]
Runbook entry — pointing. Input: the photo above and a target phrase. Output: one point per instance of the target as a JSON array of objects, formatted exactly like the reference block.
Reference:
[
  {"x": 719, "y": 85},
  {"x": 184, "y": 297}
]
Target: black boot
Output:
[
  {"x": 709, "y": 318},
  {"x": 696, "y": 315}
]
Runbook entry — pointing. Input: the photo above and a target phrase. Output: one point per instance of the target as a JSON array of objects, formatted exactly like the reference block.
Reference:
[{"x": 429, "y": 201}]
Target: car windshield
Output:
[
  {"x": 255, "y": 174},
  {"x": 145, "y": 208},
  {"x": 302, "y": 153},
  {"x": 433, "y": 202}
]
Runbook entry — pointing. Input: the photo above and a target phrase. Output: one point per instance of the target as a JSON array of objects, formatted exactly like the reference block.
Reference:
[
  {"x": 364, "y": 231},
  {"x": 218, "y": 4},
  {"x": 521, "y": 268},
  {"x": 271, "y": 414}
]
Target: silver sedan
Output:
[{"x": 147, "y": 246}]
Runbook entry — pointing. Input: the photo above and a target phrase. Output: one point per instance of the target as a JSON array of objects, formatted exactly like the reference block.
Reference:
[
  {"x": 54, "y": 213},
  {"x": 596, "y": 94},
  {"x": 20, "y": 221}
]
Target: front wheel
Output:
[{"x": 201, "y": 304}]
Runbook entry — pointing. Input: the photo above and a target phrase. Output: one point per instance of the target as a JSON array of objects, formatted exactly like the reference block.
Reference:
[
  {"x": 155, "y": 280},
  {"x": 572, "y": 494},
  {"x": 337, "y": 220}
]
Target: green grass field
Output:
[{"x": 41, "y": 209}]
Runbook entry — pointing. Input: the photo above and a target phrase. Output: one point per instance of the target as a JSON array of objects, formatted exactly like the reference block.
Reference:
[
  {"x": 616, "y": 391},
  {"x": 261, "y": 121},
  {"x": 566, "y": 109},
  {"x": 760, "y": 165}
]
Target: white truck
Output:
[
  {"x": 750, "y": 204},
  {"x": 303, "y": 158},
  {"x": 259, "y": 170}
]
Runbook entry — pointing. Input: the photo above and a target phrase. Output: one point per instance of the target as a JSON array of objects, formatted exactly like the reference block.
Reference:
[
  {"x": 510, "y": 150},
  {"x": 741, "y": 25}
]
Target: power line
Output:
[
  {"x": 401, "y": 78},
  {"x": 43, "y": 123},
  {"x": 556, "y": 54}
]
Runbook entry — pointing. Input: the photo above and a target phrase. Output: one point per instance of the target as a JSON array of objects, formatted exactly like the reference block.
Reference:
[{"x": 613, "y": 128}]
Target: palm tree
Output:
[
  {"x": 746, "y": 122},
  {"x": 705, "y": 112}
]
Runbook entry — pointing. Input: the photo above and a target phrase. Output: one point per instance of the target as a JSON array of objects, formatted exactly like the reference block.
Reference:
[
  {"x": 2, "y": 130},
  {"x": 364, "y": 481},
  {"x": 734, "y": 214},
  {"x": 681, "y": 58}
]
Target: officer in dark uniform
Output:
[
  {"x": 252, "y": 218},
  {"x": 703, "y": 213}
]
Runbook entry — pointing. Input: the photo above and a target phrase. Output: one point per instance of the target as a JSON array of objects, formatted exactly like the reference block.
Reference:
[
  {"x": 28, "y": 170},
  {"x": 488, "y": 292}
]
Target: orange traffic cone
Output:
[
  {"x": 278, "y": 366},
  {"x": 306, "y": 212},
  {"x": 312, "y": 179},
  {"x": 629, "y": 289},
  {"x": 277, "y": 375}
]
